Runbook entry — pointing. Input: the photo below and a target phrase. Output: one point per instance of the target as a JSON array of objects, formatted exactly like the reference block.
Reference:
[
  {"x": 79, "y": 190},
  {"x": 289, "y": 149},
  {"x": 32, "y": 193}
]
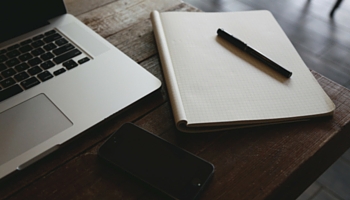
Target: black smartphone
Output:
[{"x": 157, "y": 162}]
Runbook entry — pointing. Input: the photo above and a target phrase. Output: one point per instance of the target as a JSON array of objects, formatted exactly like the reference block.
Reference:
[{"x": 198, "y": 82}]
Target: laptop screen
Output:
[{"x": 21, "y": 16}]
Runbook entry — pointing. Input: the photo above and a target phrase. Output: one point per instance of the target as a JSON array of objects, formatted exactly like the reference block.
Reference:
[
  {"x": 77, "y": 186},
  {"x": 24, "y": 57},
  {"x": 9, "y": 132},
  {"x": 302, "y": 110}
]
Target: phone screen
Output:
[{"x": 161, "y": 164}]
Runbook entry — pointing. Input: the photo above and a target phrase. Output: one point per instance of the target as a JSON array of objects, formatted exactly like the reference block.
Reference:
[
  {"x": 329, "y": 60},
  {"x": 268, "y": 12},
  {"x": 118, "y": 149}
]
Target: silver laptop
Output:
[{"x": 57, "y": 79}]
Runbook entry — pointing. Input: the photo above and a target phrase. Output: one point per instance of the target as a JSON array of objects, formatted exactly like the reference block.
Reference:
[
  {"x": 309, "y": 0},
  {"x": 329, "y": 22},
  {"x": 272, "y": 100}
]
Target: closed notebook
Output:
[{"x": 213, "y": 85}]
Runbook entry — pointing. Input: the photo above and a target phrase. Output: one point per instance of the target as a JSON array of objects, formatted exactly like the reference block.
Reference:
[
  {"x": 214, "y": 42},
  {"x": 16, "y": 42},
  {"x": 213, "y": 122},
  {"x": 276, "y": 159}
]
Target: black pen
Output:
[{"x": 256, "y": 54}]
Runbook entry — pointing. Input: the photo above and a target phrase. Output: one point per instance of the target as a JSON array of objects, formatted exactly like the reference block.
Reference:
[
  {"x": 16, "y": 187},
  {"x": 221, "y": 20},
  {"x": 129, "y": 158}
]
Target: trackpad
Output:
[{"x": 29, "y": 124}]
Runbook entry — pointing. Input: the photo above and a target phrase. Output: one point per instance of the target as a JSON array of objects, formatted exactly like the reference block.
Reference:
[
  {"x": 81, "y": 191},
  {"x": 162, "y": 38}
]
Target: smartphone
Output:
[{"x": 170, "y": 169}]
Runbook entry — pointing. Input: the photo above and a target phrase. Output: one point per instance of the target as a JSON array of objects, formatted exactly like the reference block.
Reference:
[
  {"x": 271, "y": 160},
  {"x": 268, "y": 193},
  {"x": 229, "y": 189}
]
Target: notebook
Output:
[
  {"x": 213, "y": 85},
  {"x": 57, "y": 79}
]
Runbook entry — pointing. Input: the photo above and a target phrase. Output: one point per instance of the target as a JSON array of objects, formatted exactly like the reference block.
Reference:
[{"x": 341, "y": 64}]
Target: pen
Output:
[{"x": 256, "y": 54}]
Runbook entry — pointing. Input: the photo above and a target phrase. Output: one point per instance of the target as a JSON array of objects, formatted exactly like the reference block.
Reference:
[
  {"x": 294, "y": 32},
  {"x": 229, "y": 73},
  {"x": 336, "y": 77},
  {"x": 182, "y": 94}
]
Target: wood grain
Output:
[
  {"x": 77, "y": 7},
  {"x": 129, "y": 39},
  {"x": 270, "y": 162},
  {"x": 116, "y": 16}
]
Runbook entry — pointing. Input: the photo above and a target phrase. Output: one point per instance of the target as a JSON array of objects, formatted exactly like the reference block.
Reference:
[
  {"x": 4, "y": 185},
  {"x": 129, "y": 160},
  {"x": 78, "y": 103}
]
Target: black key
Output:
[
  {"x": 13, "y": 54},
  {"x": 34, "y": 61},
  {"x": 38, "y": 52},
  {"x": 21, "y": 76},
  {"x": 47, "y": 56},
  {"x": 59, "y": 71},
  {"x": 26, "y": 42},
  {"x": 50, "y": 46},
  {"x": 70, "y": 64},
  {"x": 45, "y": 76},
  {"x": 8, "y": 73},
  {"x": 83, "y": 60},
  {"x": 34, "y": 70},
  {"x": 61, "y": 42},
  {"x": 47, "y": 64},
  {"x": 12, "y": 62},
  {"x": 37, "y": 43},
  {"x": 2, "y": 67},
  {"x": 25, "y": 48},
  {"x": 22, "y": 67},
  {"x": 7, "y": 82},
  {"x": 31, "y": 82},
  {"x": 25, "y": 57},
  {"x": 3, "y": 58},
  {"x": 2, "y": 51},
  {"x": 38, "y": 37},
  {"x": 9, "y": 92},
  {"x": 0, "y": 80},
  {"x": 63, "y": 49},
  {"x": 67, "y": 56},
  {"x": 13, "y": 47},
  {"x": 52, "y": 37},
  {"x": 50, "y": 32}
]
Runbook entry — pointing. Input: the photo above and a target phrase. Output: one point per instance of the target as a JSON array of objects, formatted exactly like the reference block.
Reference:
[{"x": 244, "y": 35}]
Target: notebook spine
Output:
[{"x": 168, "y": 70}]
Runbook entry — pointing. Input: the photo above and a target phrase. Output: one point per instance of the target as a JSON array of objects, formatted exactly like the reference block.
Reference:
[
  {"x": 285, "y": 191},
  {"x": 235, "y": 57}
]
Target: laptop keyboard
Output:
[{"x": 31, "y": 62}]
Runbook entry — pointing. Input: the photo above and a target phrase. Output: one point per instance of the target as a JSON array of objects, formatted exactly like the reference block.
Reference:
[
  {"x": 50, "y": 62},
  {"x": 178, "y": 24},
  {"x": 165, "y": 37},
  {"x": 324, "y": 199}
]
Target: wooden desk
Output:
[{"x": 276, "y": 162}]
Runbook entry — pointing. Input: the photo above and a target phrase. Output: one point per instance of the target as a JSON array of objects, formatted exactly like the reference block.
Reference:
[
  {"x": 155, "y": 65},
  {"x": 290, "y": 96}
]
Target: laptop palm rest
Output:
[{"x": 28, "y": 124}]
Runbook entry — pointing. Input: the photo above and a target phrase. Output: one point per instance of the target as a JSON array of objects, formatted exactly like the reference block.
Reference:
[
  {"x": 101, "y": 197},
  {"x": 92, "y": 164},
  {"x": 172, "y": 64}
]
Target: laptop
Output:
[{"x": 57, "y": 79}]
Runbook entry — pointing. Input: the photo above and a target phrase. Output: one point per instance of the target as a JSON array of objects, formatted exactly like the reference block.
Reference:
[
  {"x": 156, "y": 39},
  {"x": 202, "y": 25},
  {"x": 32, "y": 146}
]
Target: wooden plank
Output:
[
  {"x": 133, "y": 33},
  {"x": 77, "y": 7},
  {"x": 114, "y": 17},
  {"x": 85, "y": 177},
  {"x": 138, "y": 41},
  {"x": 332, "y": 146}
]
